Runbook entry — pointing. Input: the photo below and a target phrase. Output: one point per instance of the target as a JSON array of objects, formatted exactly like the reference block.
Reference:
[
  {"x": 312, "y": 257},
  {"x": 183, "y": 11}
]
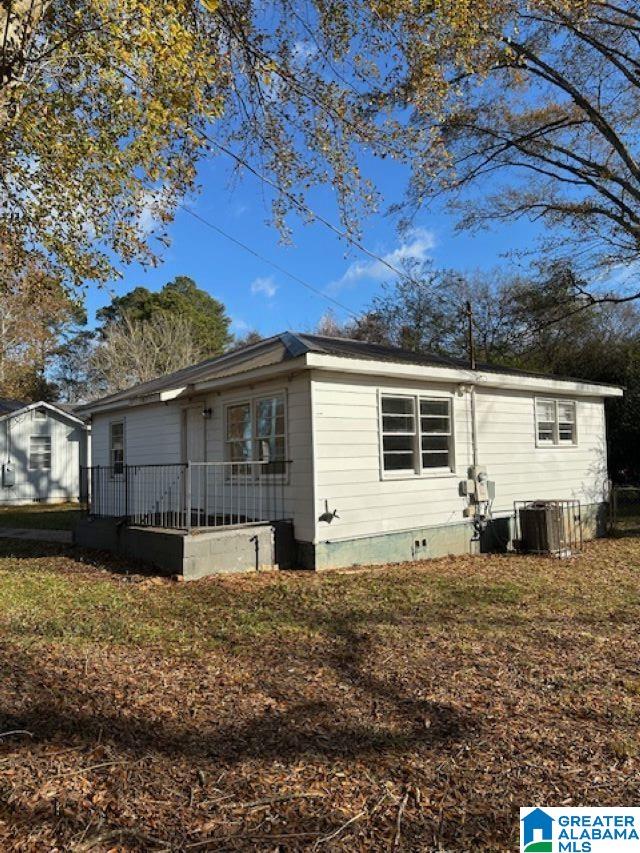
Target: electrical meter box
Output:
[
  {"x": 8, "y": 475},
  {"x": 478, "y": 487}
]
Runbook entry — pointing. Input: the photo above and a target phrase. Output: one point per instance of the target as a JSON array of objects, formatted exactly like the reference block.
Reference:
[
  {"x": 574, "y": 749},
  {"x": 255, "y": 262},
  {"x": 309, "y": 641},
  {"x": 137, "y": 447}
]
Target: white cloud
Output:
[
  {"x": 264, "y": 284},
  {"x": 416, "y": 246},
  {"x": 239, "y": 325},
  {"x": 302, "y": 51},
  {"x": 149, "y": 217}
]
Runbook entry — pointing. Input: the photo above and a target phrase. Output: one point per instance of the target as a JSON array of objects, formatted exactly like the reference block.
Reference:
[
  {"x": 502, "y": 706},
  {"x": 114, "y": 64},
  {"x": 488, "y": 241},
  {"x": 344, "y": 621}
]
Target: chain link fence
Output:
[{"x": 624, "y": 511}]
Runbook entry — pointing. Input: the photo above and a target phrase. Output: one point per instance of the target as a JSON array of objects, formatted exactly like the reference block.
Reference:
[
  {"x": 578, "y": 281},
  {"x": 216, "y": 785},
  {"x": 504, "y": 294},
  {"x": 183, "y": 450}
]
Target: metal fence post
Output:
[{"x": 188, "y": 494}]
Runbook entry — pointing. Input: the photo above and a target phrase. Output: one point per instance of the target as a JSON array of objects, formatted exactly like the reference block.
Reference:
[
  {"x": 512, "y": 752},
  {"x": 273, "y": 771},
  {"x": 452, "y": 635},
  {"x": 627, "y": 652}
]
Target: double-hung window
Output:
[
  {"x": 256, "y": 432},
  {"x": 116, "y": 448},
  {"x": 556, "y": 423},
  {"x": 416, "y": 433},
  {"x": 40, "y": 453}
]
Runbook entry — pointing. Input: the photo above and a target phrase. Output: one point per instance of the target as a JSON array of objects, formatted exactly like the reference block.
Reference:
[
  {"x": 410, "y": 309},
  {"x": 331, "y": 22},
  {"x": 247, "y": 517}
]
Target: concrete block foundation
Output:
[
  {"x": 429, "y": 542},
  {"x": 272, "y": 545},
  {"x": 194, "y": 554}
]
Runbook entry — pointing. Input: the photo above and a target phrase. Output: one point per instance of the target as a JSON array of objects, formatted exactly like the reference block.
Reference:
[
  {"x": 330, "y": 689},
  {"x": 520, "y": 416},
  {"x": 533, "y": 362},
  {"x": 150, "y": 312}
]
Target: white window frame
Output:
[
  {"x": 252, "y": 402},
  {"x": 418, "y": 470},
  {"x": 48, "y": 453},
  {"x": 120, "y": 422},
  {"x": 556, "y": 441}
]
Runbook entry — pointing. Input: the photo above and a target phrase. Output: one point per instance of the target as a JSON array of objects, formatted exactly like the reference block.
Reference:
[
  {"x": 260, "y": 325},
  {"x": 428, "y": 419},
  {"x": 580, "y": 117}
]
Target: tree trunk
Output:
[{"x": 19, "y": 20}]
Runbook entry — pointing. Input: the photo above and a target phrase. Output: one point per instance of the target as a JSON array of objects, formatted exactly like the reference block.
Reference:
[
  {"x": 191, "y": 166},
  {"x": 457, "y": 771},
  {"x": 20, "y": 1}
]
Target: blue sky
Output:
[{"x": 258, "y": 297}]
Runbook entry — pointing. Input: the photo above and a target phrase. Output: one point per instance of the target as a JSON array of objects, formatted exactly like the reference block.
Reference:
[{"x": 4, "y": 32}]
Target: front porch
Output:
[
  {"x": 196, "y": 553},
  {"x": 188, "y": 495},
  {"x": 191, "y": 519}
]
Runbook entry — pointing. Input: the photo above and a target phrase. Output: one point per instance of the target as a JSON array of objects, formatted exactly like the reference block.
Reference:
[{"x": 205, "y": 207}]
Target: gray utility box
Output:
[
  {"x": 549, "y": 527},
  {"x": 8, "y": 475}
]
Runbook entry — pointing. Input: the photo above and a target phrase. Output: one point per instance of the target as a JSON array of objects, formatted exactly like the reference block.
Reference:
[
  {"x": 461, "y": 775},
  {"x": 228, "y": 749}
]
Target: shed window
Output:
[
  {"x": 556, "y": 422},
  {"x": 417, "y": 434},
  {"x": 40, "y": 453},
  {"x": 116, "y": 447},
  {"x": 256, "y": 431}
]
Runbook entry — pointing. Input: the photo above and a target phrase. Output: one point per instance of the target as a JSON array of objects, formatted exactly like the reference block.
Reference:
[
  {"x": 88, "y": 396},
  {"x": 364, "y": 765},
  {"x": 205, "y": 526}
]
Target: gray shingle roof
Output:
[{"x": 8, "y": 405}]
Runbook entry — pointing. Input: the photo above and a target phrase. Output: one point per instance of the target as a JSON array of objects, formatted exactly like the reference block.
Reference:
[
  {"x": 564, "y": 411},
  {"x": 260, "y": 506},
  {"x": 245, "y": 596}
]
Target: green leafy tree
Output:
[{"x": 179, "y": 298}]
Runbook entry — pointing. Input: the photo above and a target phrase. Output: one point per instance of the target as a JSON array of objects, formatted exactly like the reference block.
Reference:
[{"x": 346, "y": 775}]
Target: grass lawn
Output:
[
  {"x": 412, "y": 708},
  {"x": 41, "y": 516}
]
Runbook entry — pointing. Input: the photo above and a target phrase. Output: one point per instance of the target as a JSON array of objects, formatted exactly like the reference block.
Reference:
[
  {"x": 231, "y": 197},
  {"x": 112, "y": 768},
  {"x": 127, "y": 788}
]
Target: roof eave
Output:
[
  {"x": 482, "y": 378},
  {"x": 166, "y": 395},
  {"x": 42, "y": 405}
]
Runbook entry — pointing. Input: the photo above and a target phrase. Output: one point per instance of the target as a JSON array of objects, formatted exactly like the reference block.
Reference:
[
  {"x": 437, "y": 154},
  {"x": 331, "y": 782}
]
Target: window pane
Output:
[
  {"x": 239, "y": 422},
  {"x": 398, "y": 423},
  {"x": 398, "y": 433},
  {"x": 434, "y": 407},
  {"x": 546, "y": 411},
  {"x": 567, "y": 412},
  {"x": 397, "y": 405},
  {"x": 398, "y": 442},
  {"x": 40, "y": 452},
  {"x": 435, "y": 425},
  {"x": 270, "y": 416},
  {"x": 270, "y": 449},
  {"x": 545, "y": 431},
  {"x": 398, "y": 461},
  {"x": 435, "y": 460},
  {"x": 435, "y": 442},
  {"x": 566, "y": 431},
  {"x": 240, "y": 451},
  {"x": 116, "y": 432}
]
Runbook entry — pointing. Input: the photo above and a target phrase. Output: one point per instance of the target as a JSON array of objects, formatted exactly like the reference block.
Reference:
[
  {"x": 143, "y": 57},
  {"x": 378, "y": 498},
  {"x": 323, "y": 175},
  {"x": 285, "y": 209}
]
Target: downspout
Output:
[{"x": 474, "y": 427}]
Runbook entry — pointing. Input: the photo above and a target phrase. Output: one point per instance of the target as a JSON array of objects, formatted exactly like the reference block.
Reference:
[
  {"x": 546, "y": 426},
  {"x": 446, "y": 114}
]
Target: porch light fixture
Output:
[{"x": 207, "y": 413}]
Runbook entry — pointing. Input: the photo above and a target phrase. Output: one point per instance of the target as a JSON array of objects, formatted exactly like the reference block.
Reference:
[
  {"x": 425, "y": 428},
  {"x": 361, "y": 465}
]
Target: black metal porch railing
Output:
[{"x": 188, "y": 495}]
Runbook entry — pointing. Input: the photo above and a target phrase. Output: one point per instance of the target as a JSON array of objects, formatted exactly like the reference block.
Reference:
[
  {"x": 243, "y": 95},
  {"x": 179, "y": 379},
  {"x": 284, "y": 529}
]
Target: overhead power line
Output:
[
  {"x": 301, "y": 206},
  {"x": 266, "y": 260}
]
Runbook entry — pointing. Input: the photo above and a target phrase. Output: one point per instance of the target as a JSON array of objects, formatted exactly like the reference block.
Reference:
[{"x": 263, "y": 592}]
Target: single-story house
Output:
[
  {"x": 42, "y": 449},
  {"x": 368, "y": 454}
]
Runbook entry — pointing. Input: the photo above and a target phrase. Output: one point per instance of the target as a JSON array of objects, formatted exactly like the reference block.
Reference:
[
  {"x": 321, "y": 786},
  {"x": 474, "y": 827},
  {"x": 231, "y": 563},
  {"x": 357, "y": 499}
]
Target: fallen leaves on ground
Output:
[{"x": 409, "y": 708}]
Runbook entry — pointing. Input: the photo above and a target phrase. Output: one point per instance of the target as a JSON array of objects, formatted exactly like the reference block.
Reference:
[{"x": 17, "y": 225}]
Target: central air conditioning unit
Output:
[{"x": 549, "y": 527}]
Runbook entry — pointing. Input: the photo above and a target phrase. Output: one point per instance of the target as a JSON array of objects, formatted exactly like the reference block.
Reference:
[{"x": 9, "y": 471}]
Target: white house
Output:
[
  {"x": 42, "y": 447},
  {"x": 374, "y": 454}
]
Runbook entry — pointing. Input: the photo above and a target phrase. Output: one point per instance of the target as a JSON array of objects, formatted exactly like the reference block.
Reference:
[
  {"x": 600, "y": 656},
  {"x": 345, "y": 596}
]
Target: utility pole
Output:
[{"x": 471, "y": 343}]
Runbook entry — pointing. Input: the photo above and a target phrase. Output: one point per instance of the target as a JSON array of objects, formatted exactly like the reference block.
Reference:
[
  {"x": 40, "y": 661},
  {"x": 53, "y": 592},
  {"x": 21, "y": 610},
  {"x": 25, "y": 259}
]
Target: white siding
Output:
[
  {"x": 347, "y": 457},
  {"x": 507, "y": 446},
  {"x": 68, "y": 447},
  {"x": 154, "y": 434}
]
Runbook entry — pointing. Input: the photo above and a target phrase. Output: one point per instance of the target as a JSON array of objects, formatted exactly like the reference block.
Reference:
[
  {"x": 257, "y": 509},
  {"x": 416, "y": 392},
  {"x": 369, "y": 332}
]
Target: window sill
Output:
[
  {"x": 436, "y": 474},
  {"x": 560, "y": 446}
]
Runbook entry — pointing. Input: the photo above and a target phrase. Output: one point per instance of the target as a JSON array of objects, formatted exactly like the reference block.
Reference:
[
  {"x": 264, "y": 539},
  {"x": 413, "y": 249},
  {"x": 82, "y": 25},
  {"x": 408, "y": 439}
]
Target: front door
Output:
[
  {"x": 194, "y": 435},
  {"x": 194, "y": 450}
]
